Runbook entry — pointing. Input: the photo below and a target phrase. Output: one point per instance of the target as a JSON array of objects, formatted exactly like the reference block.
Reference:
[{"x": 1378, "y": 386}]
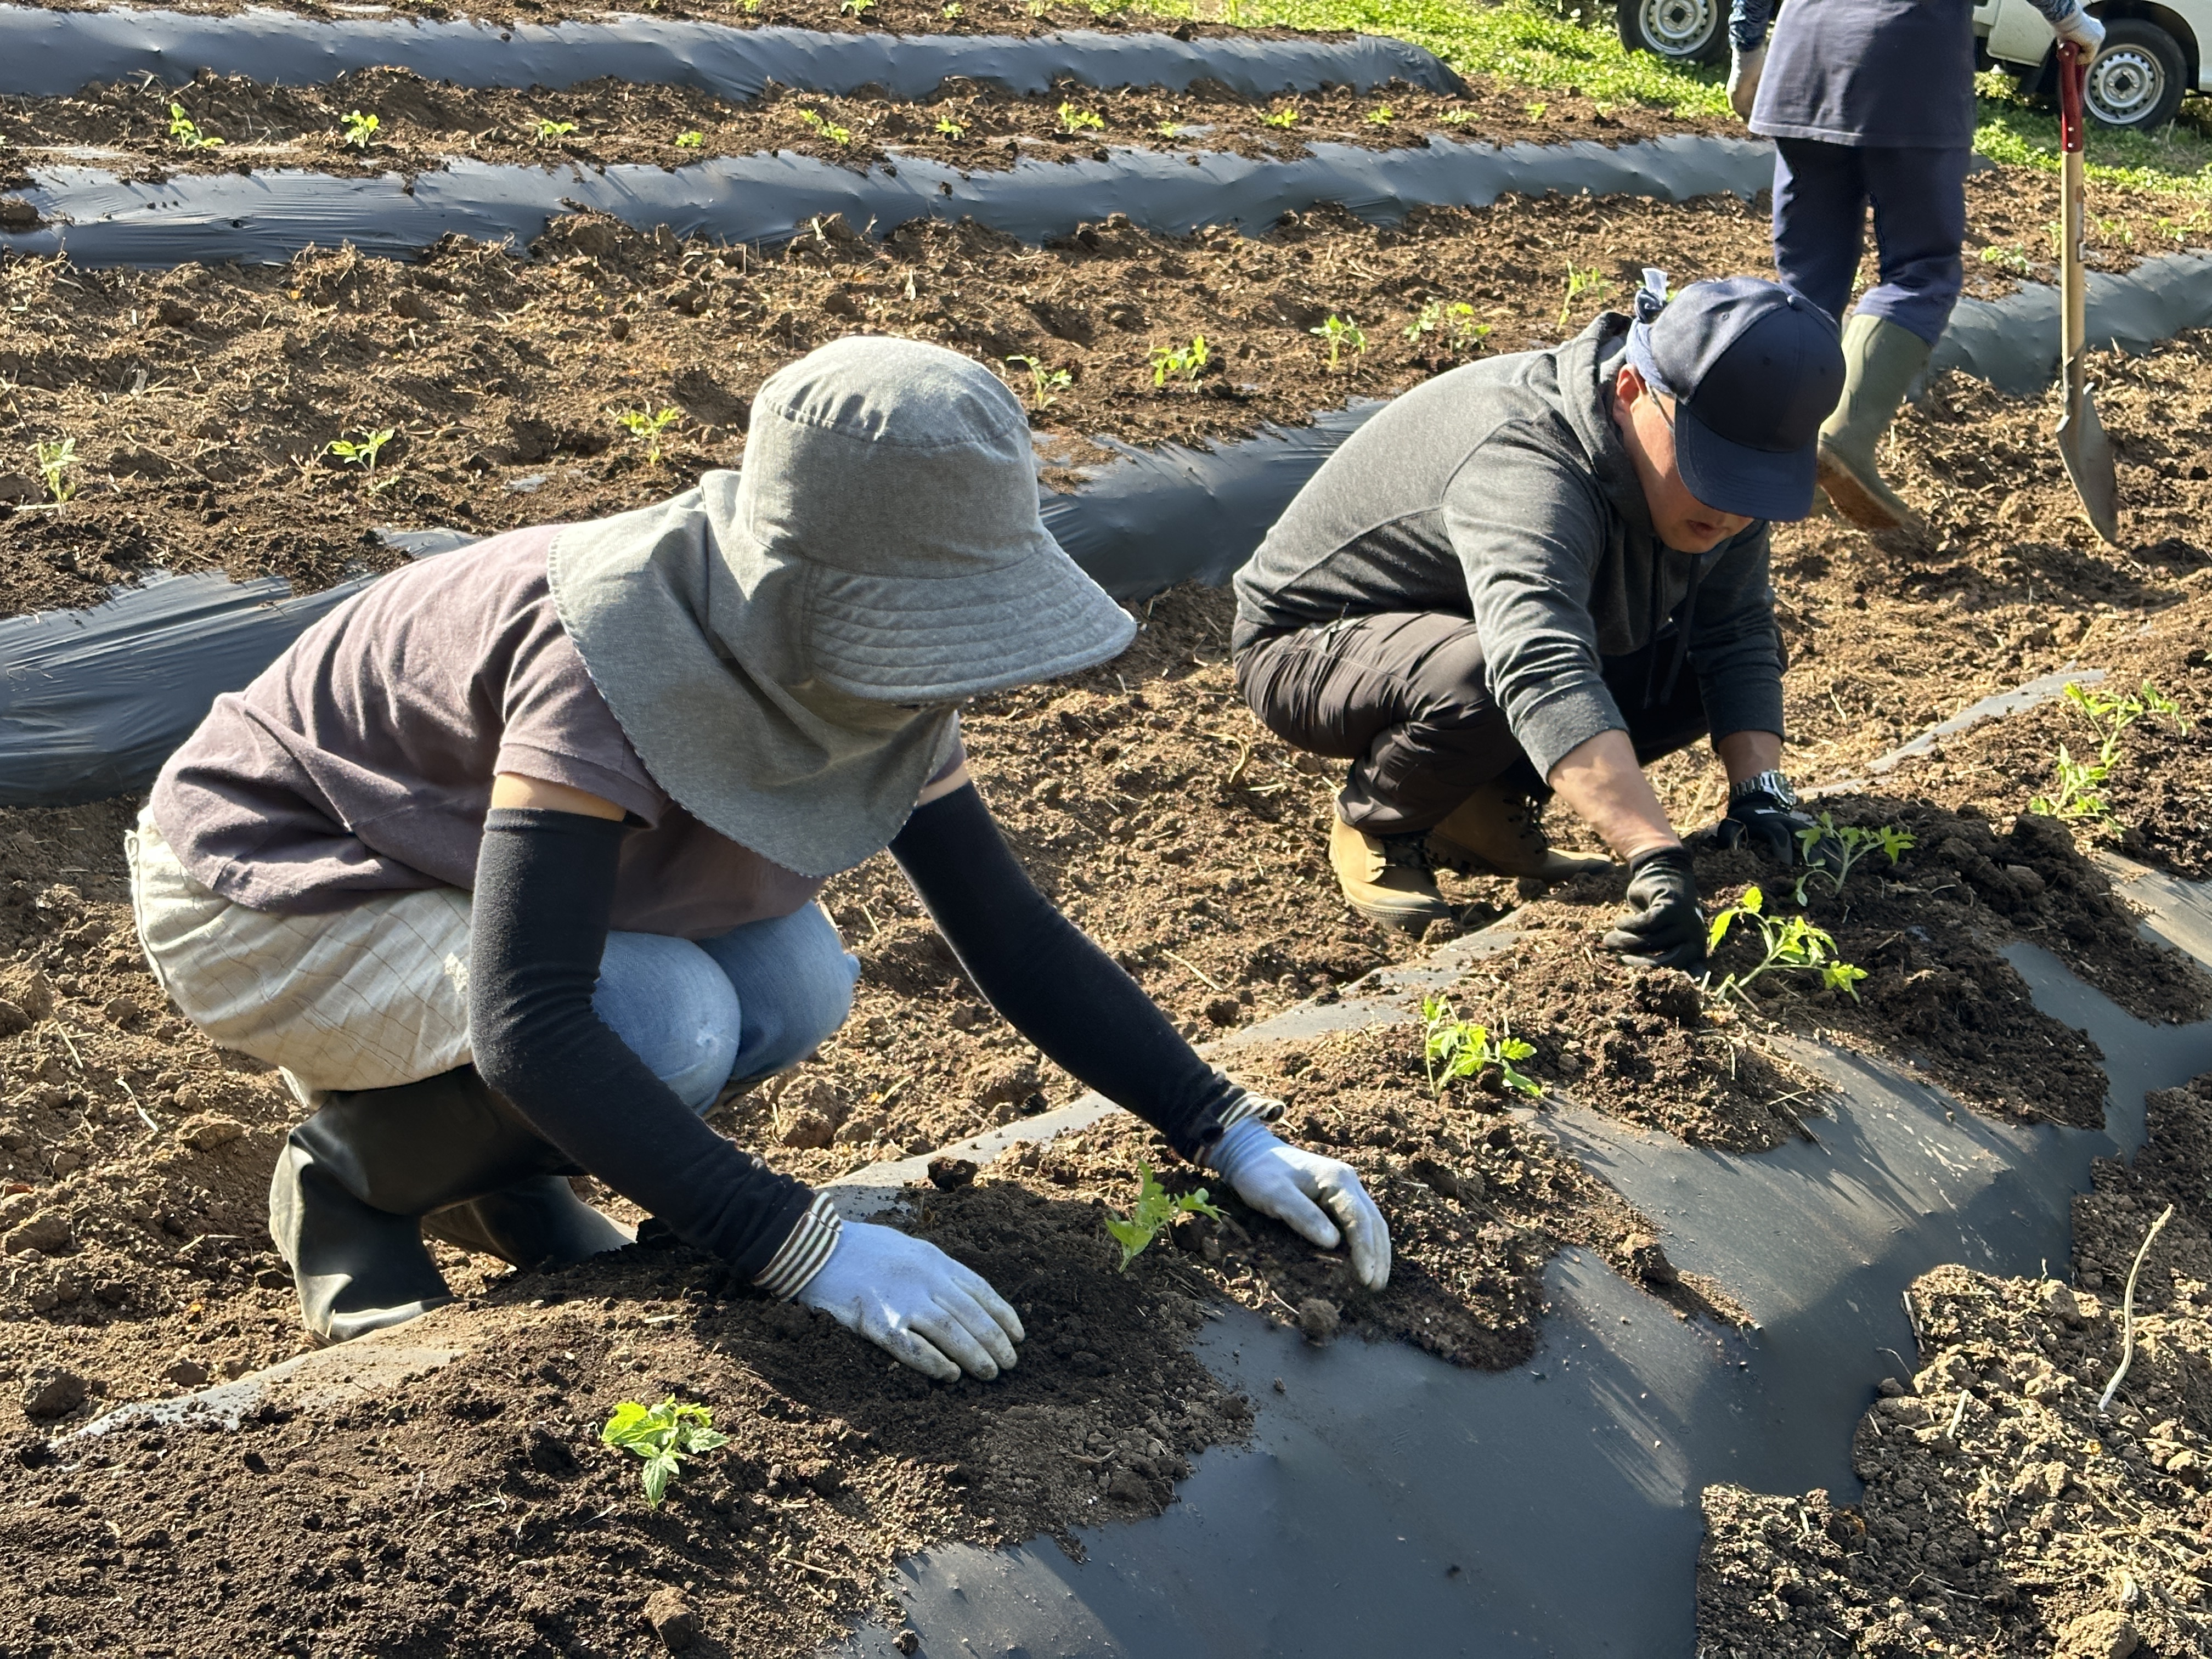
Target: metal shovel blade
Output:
[
  {"x": 2088, "y": 456},
  {"x": 2081, "y": 442}
]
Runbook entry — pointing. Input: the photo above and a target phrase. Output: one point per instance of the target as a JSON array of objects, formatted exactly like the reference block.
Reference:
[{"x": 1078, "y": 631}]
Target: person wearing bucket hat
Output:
[
  {"x": 510, "y": 864},
  {"x": 1537, "y": 574}
]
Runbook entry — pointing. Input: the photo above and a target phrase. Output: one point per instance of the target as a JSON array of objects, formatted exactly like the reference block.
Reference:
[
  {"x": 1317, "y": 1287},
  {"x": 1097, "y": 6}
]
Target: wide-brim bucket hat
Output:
[
  {"x": 897, "y": 480},
  {"x": 784, "y": 647}
]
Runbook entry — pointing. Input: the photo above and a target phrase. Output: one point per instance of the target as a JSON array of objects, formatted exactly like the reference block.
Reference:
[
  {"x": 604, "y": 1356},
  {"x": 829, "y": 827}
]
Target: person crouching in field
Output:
[
  {"x": 1537, "y": 574},
  {"x": 510, "y": 864}
]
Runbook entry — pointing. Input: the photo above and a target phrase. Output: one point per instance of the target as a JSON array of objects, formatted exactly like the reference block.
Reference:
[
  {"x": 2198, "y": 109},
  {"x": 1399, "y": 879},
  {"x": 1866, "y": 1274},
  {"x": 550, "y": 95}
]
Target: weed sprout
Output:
[
  {"x": 1792, "y": 947},
  {"x": 1074, "y": 120},
  {"x": 55, "y": 463},
  {"x": 360, "y": 128},
  {"x": 1339, "y": 332},
  {"x": 1286, "y": 117},
  {"x": 647, "y": 427},
  {"x": 690, "y": 140},
  {"x": 856, "y": 8},
  {"x": 2007, "y": 256},
  {"x": 956, "y": 11},
  {"x": 664, "y": 1435},
  {"x": 949, "y": 128},
  {"x": 1453, "y": 1047},
  {"x": 1381, "y": 116},
  {"x": 1043, "y": 382},
  {"x": 1154, "y": 1210},
  {"x": 186, "y": 135},
  {"x": 553, "y": 130},
  {"x": 1185, "y": 361}
]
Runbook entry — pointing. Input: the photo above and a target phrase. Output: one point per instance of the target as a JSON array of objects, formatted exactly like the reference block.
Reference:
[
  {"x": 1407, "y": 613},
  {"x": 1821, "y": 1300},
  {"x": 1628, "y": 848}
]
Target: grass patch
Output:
[
  {"x": 1532, "y": 44},
  {"x": 2176, "y": 160},
  {"x": 1520, "y": 40}
]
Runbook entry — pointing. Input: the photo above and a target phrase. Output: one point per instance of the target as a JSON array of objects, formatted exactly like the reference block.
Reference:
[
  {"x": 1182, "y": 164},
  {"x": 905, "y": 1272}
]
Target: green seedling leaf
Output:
[
  {"x": 1280, "y": 117},
  {"x": 546, "y": 130},
  {"x": 1073, "y": 120},
  {"x": 1339, "y": 332},
  {"x": 664, "y": 1435},
  {"x": 1452, "y": 1048},
  {"x": 647, "y": 427},
  {"x": 187, "y": 136},
  {"x": 56, "y": 463},
  {"x": 1184, "y": 360},
  {"x": 690, "y": 140},
  {"x": 1154, "y": 1210},
  {"x": 361, "y": 447}
]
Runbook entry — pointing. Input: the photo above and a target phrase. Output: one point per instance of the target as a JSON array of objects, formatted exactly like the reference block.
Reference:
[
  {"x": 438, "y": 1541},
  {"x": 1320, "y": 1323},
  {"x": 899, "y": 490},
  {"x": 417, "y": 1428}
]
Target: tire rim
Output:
[
  {"x": 2126, "y": 84},
  {"x": 1677, "y": 28}
]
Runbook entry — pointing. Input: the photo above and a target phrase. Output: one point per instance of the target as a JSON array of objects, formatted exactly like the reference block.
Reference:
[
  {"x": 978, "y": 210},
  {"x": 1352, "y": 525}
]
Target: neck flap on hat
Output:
[{"x": 701, "y": 658}]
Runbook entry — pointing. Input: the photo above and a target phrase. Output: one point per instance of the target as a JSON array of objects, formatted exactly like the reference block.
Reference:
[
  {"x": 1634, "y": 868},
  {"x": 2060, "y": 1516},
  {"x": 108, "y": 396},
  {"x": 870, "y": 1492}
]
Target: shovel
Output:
[{"x": 2081, "y": 441}]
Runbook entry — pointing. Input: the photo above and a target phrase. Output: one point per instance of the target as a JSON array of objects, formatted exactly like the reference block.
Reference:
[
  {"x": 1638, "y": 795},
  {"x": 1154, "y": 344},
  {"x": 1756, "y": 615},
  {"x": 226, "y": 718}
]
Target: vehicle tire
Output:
[
  {"x": 1688, "y": 31},
  {"x": 2137, "y": 79}
]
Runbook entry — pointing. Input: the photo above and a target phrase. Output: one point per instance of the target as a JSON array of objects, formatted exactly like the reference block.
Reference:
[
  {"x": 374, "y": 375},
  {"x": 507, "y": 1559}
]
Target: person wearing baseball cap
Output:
[
  {"x": 1536, "y": 573},
  {"x": 510, "y": 864}
]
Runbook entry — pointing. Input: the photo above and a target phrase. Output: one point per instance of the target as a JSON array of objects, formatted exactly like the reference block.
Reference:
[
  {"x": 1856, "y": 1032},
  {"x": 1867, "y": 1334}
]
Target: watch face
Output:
[{"x": 1778, "y": 787}]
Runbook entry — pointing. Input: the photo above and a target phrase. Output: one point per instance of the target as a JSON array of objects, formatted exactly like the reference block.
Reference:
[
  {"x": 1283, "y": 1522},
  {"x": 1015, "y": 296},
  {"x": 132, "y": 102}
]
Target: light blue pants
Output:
[{"x": 754, "y": 1001}]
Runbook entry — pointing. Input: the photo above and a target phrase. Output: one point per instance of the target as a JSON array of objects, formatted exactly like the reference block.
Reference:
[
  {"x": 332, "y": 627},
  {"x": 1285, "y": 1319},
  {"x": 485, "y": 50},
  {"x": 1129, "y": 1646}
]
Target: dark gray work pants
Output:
[{"x": 1405, "y": 696}]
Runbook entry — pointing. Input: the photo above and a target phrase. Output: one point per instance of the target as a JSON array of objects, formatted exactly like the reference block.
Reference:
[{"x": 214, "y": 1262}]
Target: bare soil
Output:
[
  {"x": 474, "y": 1511},
  {"x": 499, "y": 377},
  {"x": 424, "y": 124},
  {"x": 2003, "y": 1514}
]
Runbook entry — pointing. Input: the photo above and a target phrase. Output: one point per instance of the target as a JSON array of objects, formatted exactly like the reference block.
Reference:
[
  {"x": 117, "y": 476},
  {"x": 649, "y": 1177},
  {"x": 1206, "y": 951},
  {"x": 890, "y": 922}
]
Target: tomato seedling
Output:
[
  {"x": 1453, "y": 1047},
  {"x": 664, "y": 1435},
  {"x": 1154, "y": 1210}
]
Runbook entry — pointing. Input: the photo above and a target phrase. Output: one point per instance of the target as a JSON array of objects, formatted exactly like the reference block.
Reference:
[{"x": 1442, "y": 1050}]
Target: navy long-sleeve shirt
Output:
[{"x": 1867, "y": 72}]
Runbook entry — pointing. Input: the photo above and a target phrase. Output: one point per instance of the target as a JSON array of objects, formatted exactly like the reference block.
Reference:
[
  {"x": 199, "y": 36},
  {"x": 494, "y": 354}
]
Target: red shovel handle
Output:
[{"x": 2073, "y": 81}]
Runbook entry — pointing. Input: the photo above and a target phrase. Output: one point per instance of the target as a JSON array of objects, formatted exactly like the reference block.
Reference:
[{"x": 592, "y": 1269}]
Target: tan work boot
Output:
[
  {"x": 1386, "y": 881},
  {"x": 1881, "y": 363},
  {"x": 1496, "y": 831}
]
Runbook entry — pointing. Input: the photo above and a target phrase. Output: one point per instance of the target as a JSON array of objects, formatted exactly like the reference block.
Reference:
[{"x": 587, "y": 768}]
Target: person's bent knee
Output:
[
  {"x": 793, "y": 980},
  {"x": 674, "y": 1009}
]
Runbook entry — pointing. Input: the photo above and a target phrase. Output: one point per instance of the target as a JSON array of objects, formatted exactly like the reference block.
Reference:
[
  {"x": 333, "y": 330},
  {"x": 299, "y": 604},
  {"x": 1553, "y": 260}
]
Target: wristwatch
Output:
[{"x": 1774, "y": 783}]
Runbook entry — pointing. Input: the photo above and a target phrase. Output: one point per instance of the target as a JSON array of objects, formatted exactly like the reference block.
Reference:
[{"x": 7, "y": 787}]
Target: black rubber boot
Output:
[
  {"x": 346, "y": 1203},
  {"x": 533, "y": 1224}
]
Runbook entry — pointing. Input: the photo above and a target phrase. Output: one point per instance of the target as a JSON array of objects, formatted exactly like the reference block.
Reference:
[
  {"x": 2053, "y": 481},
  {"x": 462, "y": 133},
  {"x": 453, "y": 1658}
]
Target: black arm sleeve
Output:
[
  {"x": 545, "y": 888},
  {"x": 1055, "y": 986}
]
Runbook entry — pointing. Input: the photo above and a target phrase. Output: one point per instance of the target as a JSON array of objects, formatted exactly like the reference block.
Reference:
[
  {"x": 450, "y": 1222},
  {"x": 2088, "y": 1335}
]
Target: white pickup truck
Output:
[{"x": 2153, "y": 53}]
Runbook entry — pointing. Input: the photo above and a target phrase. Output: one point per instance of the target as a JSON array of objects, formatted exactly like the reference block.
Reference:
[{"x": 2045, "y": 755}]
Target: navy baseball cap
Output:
[{"x": 1753, "y": 368}]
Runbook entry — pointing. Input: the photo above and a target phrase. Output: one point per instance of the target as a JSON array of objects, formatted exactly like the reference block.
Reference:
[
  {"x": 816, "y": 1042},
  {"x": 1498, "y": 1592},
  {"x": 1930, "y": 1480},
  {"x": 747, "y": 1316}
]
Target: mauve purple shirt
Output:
[{"x": 362, "y": 760}]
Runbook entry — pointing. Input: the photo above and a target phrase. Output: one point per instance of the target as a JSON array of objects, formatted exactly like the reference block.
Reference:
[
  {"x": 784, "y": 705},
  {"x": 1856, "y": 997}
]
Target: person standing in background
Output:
[{"x": 1870, "y": 101}]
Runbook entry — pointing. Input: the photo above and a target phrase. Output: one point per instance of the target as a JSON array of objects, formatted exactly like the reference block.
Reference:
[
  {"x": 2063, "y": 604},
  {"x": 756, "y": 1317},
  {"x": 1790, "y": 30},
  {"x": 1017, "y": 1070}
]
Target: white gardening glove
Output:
[
  {"x": 1304, "y": 1191},
  {"x": 1744, "y": 70},
  {"x": 916, "y": 1302},
  {"x": 2083, "y": 30}
]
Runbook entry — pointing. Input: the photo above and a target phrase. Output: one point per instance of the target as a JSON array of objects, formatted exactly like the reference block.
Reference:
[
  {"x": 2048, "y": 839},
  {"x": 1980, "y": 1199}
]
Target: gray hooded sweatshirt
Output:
[{"x": 1501, "y": 491}]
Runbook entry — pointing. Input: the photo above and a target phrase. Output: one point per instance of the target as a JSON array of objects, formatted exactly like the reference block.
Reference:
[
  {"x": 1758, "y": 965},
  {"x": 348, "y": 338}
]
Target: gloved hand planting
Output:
[
  {"x": 1745, "y": 68},
  {"x": 2083, "y": 30},
  {"x": 916, "y": 1302},
  {"x": 1320, "y": 1199},
  {"x": 1775, "y": 827},
  {"x": 1664, "y": 928}
]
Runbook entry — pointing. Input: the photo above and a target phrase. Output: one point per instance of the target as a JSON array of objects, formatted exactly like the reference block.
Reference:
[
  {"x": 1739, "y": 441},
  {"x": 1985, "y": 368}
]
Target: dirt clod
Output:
[
  {"x": 1649, "y": 1261},
  {"x": 1319, "y": 1319},
  {"x": 205, "y": 1131},
  {"x": 950, "y": 1174},
  {"x": 2107, "y": 1634},
  {"x": 49, "y": 1392},
  {"x": 46, "y": 1233},
  {"x": 671, "y": 1619}
]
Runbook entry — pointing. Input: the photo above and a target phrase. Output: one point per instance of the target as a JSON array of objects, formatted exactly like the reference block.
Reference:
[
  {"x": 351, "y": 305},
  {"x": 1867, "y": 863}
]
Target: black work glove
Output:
[
  {"x": 1664, "y": 928},
  {"x": 1775, "y": 830}
]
